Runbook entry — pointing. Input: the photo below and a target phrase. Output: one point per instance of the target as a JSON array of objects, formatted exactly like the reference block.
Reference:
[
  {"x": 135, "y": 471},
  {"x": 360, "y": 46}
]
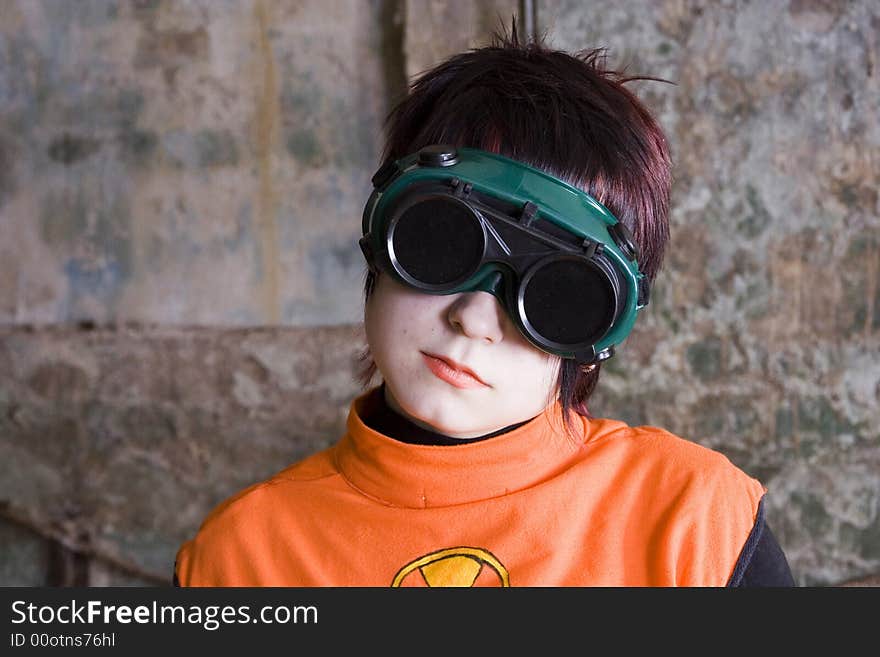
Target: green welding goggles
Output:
[{"x": 446, "y": 220}]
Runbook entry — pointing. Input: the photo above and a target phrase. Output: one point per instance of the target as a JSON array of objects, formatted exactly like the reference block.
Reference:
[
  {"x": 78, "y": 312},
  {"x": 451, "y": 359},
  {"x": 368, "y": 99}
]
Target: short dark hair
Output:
[{"x": 564, "y": 113}]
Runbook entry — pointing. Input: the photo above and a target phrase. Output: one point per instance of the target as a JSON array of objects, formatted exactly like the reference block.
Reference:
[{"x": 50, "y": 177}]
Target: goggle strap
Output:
[
  {"x": 644, "y": 293},
  {"x": 367, "y": 250},
  {"x": 385, "y": 173}
]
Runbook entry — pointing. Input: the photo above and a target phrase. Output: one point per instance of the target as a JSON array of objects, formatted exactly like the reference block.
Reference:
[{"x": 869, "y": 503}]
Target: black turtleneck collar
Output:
[{"x": 380, "y": 417}]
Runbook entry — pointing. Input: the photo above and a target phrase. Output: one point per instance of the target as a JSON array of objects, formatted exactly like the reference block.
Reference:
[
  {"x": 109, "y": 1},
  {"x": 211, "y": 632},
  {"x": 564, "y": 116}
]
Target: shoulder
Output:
[
  {"x": 261, "y": 495},
  {"x": 680, "y": 473},
  {"x": 694, "y": 506},
  {"x": 653, "y": 449},
  {"x": 234, "y": 526}
]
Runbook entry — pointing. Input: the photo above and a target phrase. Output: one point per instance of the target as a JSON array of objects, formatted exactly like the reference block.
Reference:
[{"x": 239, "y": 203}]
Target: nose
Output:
[{"x": 478, "y": 315}]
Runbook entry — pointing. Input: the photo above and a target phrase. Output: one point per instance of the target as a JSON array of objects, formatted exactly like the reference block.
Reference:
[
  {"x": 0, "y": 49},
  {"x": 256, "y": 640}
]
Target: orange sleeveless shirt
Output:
[{"x": 618, "y": 506}]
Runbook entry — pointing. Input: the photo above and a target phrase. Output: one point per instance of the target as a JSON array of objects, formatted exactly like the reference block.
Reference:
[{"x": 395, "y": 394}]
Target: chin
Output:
[
  {"x": 455, "y": 430},
  {"x": 445, "y": 418}
]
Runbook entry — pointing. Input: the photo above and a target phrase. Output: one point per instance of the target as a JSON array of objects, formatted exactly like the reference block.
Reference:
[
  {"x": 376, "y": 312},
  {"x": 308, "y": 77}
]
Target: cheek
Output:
[
  {"x": 379, "y": 330},
  {"x": 553, "y": 368},
  {"x": 543, "y": 370},
  {"x": 395, "y": 322}
]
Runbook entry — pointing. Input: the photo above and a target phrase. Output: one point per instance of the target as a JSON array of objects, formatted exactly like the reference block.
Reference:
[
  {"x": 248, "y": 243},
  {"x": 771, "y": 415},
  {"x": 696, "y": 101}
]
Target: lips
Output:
[{"x": 452, "y": 372}]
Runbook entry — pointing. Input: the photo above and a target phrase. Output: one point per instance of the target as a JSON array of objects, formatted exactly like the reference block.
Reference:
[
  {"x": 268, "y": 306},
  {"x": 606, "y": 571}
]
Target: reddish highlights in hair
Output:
[{"x": 566, "y": 114}]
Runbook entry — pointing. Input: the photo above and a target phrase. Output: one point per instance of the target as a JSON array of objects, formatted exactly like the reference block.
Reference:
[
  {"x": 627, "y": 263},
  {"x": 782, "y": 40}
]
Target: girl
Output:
[{"x": 512, "y": 236}]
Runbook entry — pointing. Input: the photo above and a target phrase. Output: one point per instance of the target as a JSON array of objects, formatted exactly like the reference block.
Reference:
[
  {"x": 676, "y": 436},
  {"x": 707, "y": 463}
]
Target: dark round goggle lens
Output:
[
  {"x": 569, "y": 302},
  {"x": 437, "y": 242}
]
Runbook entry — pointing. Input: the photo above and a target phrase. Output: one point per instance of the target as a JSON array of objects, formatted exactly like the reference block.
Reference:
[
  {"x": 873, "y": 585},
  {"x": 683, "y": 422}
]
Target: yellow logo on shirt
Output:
[{"x": 458, "y": 566}]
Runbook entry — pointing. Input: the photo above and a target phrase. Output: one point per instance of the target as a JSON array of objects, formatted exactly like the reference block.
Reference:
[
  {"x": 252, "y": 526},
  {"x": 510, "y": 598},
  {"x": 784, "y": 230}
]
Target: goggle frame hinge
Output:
[
  {"x": 529, "y": 214},
  {"x": 592, "y": 248},
  {"x": 459, "y": 190}
]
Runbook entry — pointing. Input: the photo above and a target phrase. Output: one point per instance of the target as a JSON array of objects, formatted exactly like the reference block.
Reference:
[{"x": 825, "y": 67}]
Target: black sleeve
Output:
[{"x": 762, "y": 561}]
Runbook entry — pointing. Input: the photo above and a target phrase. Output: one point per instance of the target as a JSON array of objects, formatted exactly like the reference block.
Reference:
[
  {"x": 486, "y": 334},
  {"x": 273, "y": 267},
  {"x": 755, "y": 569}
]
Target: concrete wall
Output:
[
  {"x": 180, "y": 284},
  {"x": 188, "y": 163}
]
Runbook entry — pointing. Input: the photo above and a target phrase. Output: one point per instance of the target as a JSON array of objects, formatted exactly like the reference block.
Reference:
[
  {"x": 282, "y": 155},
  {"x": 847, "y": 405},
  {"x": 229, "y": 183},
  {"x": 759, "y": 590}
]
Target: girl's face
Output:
[{"x": 423, "y": 343}]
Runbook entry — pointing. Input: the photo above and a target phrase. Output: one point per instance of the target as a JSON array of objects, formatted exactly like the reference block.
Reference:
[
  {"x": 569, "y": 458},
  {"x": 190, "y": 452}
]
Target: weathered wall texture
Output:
[
  {"x": 198, "y": 162},
  {"x": 763, "y": 335},
  {"x": 115, "y": 443},
  {"x": 180, "y": 197}
]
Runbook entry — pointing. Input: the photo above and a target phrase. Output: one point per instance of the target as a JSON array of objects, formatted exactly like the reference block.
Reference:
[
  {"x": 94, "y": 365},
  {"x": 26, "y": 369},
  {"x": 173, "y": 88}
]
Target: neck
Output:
[{"x": 382, "y": 417}]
